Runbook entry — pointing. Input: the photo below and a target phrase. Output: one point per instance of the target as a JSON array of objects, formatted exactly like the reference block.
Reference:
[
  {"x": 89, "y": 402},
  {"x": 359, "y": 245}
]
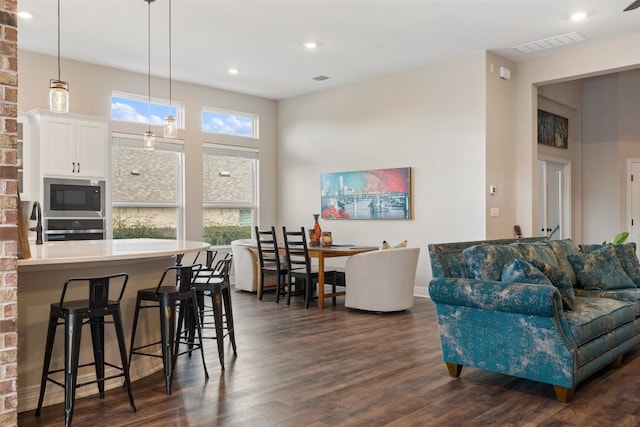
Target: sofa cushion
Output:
[
  {"x": 485, "y": 262},
  {"x": 562, "y": 249},
  {"x": 626, "y": 254},
  {"x": 521, "y": 271},
  {"x": 631, "y": 295},
  {"x": 559, "y": 280},
  {"x": 594, "y": 317},
  {"x": 540, "y": 251},
  {"x": 600, "y": 269}
]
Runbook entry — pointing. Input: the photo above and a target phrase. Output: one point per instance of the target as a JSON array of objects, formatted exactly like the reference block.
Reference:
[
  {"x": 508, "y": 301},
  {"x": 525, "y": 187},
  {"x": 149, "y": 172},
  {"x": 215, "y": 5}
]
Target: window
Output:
[
  {"x": 229, "y": 188},
  {"x": 229, "y": 123},
  {"x": 135, "y": 108},
  {"x": 147, "y": 188}
]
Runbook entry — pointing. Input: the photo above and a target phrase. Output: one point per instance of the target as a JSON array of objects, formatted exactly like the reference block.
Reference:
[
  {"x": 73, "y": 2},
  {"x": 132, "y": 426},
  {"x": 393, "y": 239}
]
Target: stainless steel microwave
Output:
[{"x": 74, "y": 198}]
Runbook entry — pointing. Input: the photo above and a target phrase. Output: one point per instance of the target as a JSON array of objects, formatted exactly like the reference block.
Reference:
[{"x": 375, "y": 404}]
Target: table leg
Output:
[{"x": 321, "y": 280}]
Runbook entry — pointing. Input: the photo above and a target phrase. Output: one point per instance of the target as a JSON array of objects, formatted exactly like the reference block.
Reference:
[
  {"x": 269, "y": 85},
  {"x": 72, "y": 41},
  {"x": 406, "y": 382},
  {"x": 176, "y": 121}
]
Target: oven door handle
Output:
[{"x": 74, "y": 231}]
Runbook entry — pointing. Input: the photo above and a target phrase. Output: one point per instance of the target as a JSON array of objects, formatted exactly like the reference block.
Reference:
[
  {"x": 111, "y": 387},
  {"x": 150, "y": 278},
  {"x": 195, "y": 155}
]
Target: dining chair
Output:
[
  {"x": 300, "y": 268},
  {"x": 270, "y": 261}
]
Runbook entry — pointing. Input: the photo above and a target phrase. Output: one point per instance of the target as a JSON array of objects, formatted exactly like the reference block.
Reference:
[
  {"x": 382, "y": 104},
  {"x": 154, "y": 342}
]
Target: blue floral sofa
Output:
[{"x": 544, "y": 310}]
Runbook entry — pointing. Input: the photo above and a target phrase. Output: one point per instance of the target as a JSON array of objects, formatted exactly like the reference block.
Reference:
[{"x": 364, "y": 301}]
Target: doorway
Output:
[
  {"x": 554, "y": 198},
  {"x": 633, "y": 199}
]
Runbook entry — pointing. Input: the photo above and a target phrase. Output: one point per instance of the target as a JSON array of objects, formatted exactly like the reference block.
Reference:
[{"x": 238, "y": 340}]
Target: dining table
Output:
[{"x": 334, "y": 251}]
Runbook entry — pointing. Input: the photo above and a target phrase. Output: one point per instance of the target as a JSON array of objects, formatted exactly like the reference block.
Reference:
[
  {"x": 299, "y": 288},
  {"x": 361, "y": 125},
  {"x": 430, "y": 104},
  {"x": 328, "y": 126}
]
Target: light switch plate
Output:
[{"x": 495, "y": 212}]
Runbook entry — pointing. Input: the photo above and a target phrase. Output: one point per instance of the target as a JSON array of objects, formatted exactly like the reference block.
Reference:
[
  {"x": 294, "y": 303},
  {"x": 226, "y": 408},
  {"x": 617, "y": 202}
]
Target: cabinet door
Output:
[
  {"x": 25, "y": 167},
  {"x": 57, "y": 138},
  {"x": 91, "y": 149}
]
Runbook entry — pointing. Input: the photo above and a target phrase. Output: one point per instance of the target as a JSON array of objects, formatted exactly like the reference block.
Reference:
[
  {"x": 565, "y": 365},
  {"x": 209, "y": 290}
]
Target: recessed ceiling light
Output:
[
  {"x": 25, "y": 15},
  {"x": 233, "y": 71},
  {"x": 578, "y": 16},
  {"x": 310, "y": 45}
]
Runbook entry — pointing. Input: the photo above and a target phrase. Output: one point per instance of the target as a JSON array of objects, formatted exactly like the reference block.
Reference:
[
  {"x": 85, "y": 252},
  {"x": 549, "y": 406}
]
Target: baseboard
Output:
[{"x": 421, "y": 292}]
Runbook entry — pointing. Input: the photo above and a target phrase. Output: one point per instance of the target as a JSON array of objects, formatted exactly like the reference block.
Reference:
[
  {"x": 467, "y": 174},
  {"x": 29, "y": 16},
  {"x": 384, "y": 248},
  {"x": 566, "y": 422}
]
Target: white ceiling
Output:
[{"x": 358, "y": 39}]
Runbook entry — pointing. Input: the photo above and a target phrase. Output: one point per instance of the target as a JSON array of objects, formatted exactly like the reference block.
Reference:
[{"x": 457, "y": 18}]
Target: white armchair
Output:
[
  {"x": 381, "y": 280},
  {"x": 244, "y": 265}
]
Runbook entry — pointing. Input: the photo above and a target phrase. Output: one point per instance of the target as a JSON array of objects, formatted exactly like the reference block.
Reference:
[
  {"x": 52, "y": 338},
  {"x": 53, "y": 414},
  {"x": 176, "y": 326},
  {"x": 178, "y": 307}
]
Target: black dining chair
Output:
[
  {"x": 299, "y": 266},
  {"x": 104, "y": 296},
  {"x": 270, "y": 261}
]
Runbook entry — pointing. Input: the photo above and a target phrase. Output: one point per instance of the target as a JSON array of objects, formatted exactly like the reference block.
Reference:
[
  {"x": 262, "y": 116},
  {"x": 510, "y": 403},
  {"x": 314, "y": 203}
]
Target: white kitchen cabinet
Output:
[
  {"x": 72, "y": 147},
  {"x": 25, "y": 165}
]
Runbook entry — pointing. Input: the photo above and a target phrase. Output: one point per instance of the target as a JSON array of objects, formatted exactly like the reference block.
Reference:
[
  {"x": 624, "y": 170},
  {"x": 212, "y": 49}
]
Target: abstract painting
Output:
[{"x": 369, "y": 194}]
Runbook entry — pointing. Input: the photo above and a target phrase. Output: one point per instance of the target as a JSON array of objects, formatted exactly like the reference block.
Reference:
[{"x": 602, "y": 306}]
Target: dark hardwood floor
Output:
[{"x": 340, "y": 367}]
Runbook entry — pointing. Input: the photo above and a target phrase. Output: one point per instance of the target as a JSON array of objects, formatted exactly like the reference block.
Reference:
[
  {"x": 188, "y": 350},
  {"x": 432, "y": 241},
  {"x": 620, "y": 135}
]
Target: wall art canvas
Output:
[
  {"x": 369, "y": 194},
  {"x": 553, "y": 130}
]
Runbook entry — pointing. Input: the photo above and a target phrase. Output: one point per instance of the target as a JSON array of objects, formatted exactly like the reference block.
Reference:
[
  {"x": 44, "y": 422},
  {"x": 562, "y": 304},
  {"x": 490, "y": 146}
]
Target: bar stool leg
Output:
[
  {"x": 73, "y": 330},
  {"x": 167, "y": 331},
  {"x": 97, "y": 338},
  {"x": 217, "y": 316},
  {"x": 228, "y": 311},
  {"x": 51, "y": 334},
  {"x": 194, "y": 310},
  {"x": 117, "y": 323}
]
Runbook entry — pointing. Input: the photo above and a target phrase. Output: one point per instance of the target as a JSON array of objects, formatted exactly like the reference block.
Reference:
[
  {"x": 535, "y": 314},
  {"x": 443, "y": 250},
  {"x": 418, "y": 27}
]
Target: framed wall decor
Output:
[
  {"x": 553, "y": 130},
  {"x": 369, "y": 194}
]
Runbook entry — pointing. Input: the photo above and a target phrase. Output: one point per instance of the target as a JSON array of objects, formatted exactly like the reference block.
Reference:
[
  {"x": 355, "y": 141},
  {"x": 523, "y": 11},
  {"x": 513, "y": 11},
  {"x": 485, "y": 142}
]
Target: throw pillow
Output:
[
  {"x": 559, "y": 280},
  {"x": 386, "y": 245},
  {"x": 485, "y": 262},
  {"x": 521, "y": 271},
  {"x": 626, "y": 254},
  {"x": 562, "y": 249},
  {"x": 539, "y": 251},
  {"x": 600, "y": 270}
]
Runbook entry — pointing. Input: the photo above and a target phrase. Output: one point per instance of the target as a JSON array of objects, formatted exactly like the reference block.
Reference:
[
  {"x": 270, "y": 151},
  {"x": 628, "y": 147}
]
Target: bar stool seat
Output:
[
  {"x": 74, "y": 315},
  {"x": 167, "y": 299},
  {"x": 214, "y": 282}
]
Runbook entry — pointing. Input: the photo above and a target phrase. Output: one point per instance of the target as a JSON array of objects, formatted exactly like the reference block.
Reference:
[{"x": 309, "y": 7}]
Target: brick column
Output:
[{"x": 8, "y": 214}]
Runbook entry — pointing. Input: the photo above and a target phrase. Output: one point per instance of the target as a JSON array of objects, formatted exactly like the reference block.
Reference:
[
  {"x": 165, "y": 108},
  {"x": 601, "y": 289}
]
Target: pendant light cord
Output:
[
  {"x": 58, "y": 40},
  {"x": 169, "y": 56},
  {"x": 149, "y": 64}
]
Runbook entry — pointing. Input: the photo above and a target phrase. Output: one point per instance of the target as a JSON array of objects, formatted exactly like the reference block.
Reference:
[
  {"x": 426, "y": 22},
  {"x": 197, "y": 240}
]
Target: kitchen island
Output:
[{"x": 40, "y": 281}]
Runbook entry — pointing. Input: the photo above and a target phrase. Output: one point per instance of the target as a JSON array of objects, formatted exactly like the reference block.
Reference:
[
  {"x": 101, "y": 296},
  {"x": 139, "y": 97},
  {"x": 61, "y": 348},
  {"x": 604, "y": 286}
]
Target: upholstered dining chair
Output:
[
  {"x": 270, "y": 261},
  {"x": 300, "y": 268},
  {"x": 381, "y": 280}
]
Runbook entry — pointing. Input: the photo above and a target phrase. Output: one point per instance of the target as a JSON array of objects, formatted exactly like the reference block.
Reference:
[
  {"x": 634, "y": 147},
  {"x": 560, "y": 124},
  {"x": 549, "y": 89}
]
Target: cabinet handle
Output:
[
  {"x": 79, "y": 172},
  {"x": 74, "y": 167}
]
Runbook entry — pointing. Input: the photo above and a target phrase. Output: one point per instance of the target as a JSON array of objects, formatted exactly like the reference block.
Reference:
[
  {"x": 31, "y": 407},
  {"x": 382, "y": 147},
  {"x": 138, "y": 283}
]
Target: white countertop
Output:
[{"x": 82, "y": 251}]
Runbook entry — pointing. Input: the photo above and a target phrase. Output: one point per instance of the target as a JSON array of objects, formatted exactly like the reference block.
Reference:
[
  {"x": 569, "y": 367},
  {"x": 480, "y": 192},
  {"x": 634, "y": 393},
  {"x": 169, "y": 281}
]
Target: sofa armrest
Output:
[{"x": 522, "y": 298}]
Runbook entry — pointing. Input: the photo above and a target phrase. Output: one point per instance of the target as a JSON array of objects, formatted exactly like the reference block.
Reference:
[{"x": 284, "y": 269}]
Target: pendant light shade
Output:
[
  {"x": 58, "y": 96},
  {"x": 149, "y": 137},
  {"x": 170, "y": 128},
  {"x": 58, "y": 90}
]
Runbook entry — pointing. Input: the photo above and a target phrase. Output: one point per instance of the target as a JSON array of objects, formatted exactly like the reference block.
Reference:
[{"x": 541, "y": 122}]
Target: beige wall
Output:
[
  {"x": 431, "y": 119},
  {"x": 90, "y": 94}
]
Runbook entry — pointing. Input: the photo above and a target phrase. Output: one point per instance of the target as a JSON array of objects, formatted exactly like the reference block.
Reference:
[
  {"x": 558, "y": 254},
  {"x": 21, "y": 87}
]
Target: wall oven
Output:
[{"x": 74, "y": 209}]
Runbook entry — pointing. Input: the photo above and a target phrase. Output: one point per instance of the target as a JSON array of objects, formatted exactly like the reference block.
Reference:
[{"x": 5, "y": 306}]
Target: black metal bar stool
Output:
[
  {"x": 214, "y": 282},
  {"x": 74, "y": 315},
  {"x": 167, "y": 298}
]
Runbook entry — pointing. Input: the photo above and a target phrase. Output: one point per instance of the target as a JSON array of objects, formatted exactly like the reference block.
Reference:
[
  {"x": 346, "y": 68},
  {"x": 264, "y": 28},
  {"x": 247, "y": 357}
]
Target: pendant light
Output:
[
  {"x": 58, "y": 90},
  {"x": 149, "y": 137},
  {"x": 170, "y": 129}
]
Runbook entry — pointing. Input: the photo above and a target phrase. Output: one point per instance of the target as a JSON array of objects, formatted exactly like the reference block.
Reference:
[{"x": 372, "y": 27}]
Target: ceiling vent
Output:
[
  {"x": 550, "y": 43},
  {"x": 320, "y": 78}
]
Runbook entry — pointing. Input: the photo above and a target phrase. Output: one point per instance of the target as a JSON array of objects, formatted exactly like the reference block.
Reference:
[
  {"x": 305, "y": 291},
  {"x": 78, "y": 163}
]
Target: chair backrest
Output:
[
  {"x": 219, "y": 273},
  {"x": 183, "y": 274},
  {"x": 99, "y": 289},
  {"x": 210, "y": 257},
  {"x": 295, "y": 243},
  {"x": 382, "y": 280},
  {"x": 268, "y": 250}
]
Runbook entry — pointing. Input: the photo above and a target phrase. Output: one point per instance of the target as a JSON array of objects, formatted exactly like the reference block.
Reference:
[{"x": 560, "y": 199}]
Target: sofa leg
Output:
[
  {"x": 563, "y": 394},
  {"x": 617, "y": 362},
  {"x": 454, "y": 369}
]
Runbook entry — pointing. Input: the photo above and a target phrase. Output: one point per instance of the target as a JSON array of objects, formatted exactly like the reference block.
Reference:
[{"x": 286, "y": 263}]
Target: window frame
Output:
[
  {"x": 209, "y": 148},
  {"x": 255, "y": 121},
  {"x": 179, "y": 106},
  {"x": 175, "y": 145}
]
